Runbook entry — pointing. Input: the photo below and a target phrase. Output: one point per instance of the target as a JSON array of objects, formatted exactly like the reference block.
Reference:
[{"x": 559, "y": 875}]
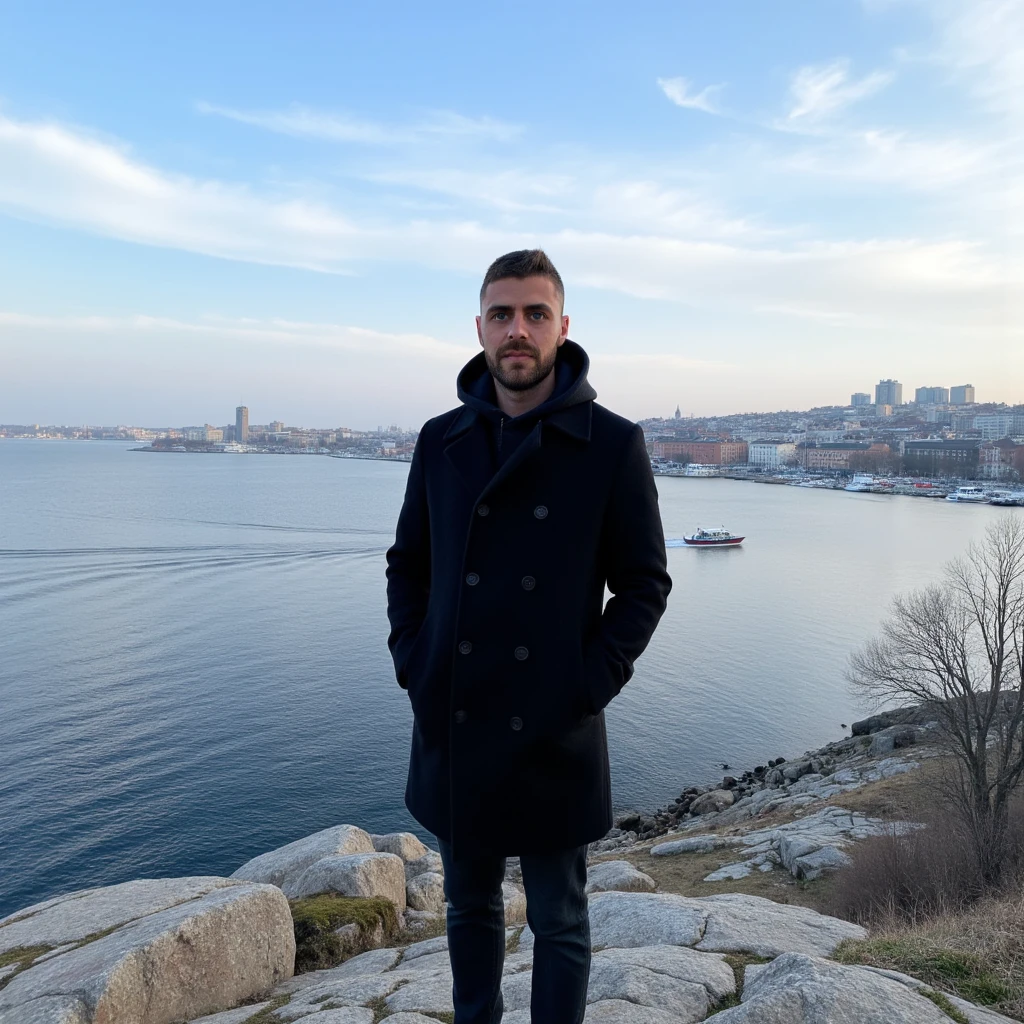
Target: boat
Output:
[
  {"x": 968, "y": 494},
  {"x": 717, "y": 537},
  {"x": 1008, "y": 499},
  {"x": 699, "y": 469},
  {"x": 861, "y": 482}
]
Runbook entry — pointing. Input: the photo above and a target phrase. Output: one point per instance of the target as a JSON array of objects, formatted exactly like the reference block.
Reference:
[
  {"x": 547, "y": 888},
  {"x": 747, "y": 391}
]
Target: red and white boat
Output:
[{"x": 717, "y": 537}]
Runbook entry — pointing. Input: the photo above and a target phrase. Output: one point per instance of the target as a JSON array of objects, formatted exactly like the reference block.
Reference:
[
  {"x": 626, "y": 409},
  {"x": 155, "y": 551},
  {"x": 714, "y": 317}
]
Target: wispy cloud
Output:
[
  {"x": 64, "y": 176},
  {"x": 271, "y": 332},
  {"x": 678, "y": 90},
  {"x": 304, "y": 122},
  {"x": 820, "y": 91}
]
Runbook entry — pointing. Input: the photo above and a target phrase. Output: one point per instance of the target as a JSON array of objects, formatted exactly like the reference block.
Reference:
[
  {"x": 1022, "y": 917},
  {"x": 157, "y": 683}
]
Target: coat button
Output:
[
  {"x": 529, "y": 583},
  {"x": 465, "y": 647},
  {"x": 483, "y": 510},
  {"x": 521, "y": 653},
  {"x": 460, "y": 717},
  {"x": 516, "y": 723},
  {"x": 541, "y": 511},
  {"x": 472, "y": 579}
]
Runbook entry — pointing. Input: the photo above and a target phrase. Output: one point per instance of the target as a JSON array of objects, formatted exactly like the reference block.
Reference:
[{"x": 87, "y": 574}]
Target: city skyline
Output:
[{"x": 773, "y": 201}]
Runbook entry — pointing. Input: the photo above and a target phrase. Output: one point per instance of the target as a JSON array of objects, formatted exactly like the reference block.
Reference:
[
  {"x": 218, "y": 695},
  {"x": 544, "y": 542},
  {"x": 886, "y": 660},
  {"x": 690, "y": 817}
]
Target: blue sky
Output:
[{"x": 754, "y": 206}]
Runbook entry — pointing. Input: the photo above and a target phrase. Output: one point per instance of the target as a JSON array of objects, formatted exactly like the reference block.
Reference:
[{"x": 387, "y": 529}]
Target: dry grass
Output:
[{"x": 977, "y": 954}]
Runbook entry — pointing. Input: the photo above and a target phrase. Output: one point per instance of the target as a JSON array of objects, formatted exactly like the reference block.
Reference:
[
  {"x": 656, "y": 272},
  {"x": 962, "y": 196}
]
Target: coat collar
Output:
[
  {"x": 574, "y": 421},
  {"x": 468, "y": 448}
]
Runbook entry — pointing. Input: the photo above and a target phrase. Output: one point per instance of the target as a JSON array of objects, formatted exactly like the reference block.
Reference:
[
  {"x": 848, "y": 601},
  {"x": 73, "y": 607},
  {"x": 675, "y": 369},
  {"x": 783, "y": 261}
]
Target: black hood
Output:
[{"x": 475, "y": 385}]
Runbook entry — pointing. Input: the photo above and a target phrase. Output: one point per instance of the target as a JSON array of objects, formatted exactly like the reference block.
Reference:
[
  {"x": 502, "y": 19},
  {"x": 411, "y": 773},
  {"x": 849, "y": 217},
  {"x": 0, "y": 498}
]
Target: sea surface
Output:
[{"x": 193, "y": 666}]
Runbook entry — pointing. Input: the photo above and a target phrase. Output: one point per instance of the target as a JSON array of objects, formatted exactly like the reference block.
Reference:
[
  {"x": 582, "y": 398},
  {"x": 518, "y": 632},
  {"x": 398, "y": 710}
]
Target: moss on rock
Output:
[{"x": 318, "y": 918}]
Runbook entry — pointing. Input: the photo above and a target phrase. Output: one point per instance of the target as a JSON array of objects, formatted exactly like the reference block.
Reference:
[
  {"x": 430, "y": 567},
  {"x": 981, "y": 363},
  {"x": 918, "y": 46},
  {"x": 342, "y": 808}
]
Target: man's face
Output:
[{"x": 521, "y": 326}]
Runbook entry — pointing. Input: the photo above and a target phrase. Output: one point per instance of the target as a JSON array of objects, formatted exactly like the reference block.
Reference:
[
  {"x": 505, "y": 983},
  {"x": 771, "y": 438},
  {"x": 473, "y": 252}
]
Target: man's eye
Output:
[
  {"x": 537, "y": 315},
  {"x": 498, "y": 316}
]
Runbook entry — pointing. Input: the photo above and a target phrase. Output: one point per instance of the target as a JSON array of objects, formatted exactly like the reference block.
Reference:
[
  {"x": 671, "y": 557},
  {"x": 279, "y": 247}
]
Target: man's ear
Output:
[{"x": 479, "y": 333}]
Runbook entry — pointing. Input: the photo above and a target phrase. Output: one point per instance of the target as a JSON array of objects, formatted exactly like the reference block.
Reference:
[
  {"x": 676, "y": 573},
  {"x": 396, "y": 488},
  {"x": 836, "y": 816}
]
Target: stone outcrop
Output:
[
  {"x": 662, "y": 975},
  {"x": 401, "y": 844},
  {"x": 357, "y": 874},
  {"x": 732, "y": 922},
  {"x": 806, "y": 847},
  {"x": 618, "y": 876},
  {"x": 175, "y": 948},
  {"x": 284, "y": 865},
  {"x": 802, "y": 989}
]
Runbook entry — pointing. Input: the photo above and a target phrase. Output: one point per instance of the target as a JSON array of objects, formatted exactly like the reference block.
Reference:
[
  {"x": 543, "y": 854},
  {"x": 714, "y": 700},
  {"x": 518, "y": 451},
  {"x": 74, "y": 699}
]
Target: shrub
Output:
[{"x": 908, "y": 877}]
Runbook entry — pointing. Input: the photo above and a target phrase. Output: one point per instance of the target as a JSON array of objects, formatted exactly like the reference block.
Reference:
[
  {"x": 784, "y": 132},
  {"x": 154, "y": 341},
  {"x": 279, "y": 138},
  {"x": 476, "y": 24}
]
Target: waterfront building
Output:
[
  {"x": 889, "y": 392},
  {"x": 276, "y": 427},
  {"x": 242, "y": 424},
  {"x": 935, "y": 456},
  {"x": 931, "y": 396},
  {"x": 837, "y": 454},
  {"x": 962, "y": 394},
  {"x": 1001, "y": 460},
  {"x": 884, "y": 410},
  {"x": 708, "y": 452},
  {"x": 768, "y": 454},
  {"x": 860, "y": 398}
]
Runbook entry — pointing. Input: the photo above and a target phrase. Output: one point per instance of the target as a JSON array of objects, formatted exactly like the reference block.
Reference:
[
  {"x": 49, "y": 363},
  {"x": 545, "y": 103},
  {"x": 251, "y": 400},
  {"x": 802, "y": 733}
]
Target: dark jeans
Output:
[{"x": 556, "y": 909}]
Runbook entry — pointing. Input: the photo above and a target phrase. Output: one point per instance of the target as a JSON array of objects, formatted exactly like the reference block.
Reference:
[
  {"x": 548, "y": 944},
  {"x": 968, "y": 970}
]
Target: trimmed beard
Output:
[{"x": 522, "y": 380}]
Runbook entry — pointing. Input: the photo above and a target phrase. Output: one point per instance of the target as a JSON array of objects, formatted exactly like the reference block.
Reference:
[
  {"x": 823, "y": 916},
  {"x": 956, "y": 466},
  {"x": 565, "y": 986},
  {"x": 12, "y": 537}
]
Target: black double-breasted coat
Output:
[{"x": 500, "y": 631}]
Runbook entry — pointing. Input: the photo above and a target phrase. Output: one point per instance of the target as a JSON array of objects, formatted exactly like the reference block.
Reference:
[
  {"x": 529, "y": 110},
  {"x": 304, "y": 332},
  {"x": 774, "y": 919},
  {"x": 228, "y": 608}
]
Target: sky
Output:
[{"x": 754, "y": 206}]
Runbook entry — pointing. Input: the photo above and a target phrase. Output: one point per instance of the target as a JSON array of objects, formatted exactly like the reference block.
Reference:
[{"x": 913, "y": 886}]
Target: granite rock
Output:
[
  {"x": 198, "y": 957},
  {"x": 283, "y": 865},
  {"x": 357, "y": 874}
]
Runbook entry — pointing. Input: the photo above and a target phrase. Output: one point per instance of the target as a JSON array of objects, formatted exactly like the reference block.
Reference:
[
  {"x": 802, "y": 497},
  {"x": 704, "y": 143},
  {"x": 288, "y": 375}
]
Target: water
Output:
[{"x": 193, "y": 666}]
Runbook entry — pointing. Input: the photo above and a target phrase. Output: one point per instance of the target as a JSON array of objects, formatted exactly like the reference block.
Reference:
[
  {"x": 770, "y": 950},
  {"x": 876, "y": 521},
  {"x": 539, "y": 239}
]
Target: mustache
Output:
[{"x": 516, "y": 346}]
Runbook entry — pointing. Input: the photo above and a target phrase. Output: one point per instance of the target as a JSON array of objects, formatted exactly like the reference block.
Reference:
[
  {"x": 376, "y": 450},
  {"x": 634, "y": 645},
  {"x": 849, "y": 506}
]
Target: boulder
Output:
[
  {"x": 357, "y": 874},
  {"x": 641, "y": 986},
  {"x": 280, "y": 866},
  {"x": 618, "y": 875},
  {"x": 72, "y": 917},
  {"x": 401, "y": 844},
  {"x": 430, "y": 861},
  {"x": 737, "y": 923},
  {"x": 426, "y": 892},
  {"x": 800, "y": 989},
  {"x": 628, "y": 919},
  {"x": 515, "y": 903},
  {"x": 713, "y": 802},
  {"x": 220, "y": 945},
  {"x": 707, "y": 969},
  {"x": 693, "y": 844}
]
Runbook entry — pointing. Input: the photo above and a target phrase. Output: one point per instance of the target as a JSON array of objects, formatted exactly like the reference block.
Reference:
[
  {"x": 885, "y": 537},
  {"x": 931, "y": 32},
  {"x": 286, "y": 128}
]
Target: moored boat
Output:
[
  {"x": 717, "y": 537},
  {"x": 968, "y": 493}
]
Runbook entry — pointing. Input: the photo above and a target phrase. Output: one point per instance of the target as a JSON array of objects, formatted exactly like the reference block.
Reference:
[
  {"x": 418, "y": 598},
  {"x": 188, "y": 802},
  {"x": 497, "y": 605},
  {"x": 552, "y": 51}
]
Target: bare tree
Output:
[{"x": 959, "y": 647}]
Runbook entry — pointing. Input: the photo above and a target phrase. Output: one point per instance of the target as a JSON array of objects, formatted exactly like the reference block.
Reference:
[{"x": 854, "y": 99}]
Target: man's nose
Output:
[{"x": 517, "y": 326}]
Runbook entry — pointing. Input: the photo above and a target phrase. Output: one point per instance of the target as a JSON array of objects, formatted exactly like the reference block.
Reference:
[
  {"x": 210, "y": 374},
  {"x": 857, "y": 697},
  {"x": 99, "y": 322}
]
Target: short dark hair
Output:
[{"x": 521, "y": 264}]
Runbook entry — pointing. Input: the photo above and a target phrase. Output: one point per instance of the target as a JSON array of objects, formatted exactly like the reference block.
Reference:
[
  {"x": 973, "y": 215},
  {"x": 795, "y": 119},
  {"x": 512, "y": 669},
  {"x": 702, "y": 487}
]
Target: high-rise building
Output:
[
  {"x": 962, "y": 394},
  {"x": 889, "y": 392},
  {"x": 932, "y": 396},
  {"x": 242, "y": 424},
  {"x": 859, "y": 398}
]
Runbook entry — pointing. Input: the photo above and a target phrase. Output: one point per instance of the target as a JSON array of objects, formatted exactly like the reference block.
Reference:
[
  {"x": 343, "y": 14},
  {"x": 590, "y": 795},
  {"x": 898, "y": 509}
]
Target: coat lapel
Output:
[
  {"x": 468, "y": 450},
  {"x": 528, "y": 445}
]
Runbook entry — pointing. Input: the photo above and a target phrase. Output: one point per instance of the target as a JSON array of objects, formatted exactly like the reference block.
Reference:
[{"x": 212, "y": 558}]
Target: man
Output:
[{"x": 521, "y": 506}]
